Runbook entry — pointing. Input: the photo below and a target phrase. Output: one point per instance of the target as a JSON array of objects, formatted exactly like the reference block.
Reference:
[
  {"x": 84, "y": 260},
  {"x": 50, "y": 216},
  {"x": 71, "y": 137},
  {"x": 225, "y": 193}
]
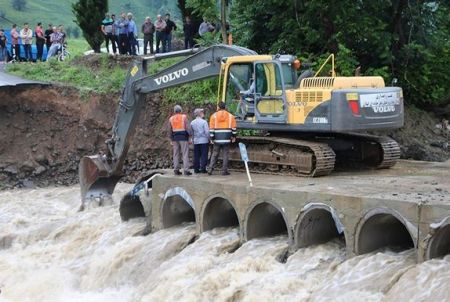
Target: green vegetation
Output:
[
  {"x": 101, "y": 76},
  {"x": 59, "y": 12},
  {"x": 408, "y": 40},
  {"x": 89, "y": 14}
]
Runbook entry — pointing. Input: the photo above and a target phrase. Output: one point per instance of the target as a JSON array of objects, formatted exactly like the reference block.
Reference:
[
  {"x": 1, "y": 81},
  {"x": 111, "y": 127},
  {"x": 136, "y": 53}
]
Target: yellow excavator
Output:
[{"x": 305, "y": 124}]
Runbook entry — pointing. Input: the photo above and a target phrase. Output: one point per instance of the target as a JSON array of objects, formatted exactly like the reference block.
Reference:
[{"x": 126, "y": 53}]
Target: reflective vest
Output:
[
  {"x": 222, "y": 127},
  {"x": 178, "y": 125}
]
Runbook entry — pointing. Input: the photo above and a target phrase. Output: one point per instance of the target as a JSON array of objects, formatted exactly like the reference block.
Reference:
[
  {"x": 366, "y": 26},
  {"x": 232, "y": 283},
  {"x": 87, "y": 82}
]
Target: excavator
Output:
[{"x": 302, "y": 124}]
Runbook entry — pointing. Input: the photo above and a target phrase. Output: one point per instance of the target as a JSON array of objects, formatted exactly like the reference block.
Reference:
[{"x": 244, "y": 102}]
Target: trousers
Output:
[
  {"x": 200, "y": 157},
  {"x": 180, "y": 148},
  {"x": 216, "y": 150}
]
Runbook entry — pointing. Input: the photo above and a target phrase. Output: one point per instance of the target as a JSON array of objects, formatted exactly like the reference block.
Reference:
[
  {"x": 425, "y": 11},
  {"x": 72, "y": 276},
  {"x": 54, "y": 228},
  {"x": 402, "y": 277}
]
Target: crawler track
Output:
[
  {"x": 278, "y": 155},
  {"x": 316, "y": 156}
]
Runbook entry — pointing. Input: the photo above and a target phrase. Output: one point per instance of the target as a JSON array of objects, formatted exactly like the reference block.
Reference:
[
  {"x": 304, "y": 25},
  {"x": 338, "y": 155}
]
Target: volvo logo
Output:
[{"x": 172, "y": 76}]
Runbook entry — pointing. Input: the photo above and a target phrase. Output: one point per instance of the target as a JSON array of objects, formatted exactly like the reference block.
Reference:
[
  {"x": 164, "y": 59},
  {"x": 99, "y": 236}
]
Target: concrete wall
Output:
[{"x": 306, "y": 217}]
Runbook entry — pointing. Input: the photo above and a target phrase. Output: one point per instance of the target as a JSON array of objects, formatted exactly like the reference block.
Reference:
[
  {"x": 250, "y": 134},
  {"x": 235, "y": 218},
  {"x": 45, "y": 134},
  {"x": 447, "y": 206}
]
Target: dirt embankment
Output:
[{"x": 44, "y": 131}]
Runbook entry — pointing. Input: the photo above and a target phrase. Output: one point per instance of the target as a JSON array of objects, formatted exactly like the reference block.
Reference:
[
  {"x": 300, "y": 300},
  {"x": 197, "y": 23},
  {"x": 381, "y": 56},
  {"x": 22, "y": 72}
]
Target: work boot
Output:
[
  {"x": 196, "y": 171},
  {"x": 203, "y": 171},
  {"x": 187, "y": 173},
  {"x": 176, "y": 172},
  {"x": 210, "y": 171},
  {"x": 225, "y": 173}
]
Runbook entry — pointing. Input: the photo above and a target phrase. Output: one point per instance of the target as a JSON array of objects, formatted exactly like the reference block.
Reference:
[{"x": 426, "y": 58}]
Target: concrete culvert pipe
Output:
[
  {"x": 176, "y": 210},
  {"x": 315, "y": 226},
  {"x": 440, "y": 243},
  {"x": 265, "y": 220},
  {"x": 382, "y": 230},
  {"x": 219, "y": 213}
]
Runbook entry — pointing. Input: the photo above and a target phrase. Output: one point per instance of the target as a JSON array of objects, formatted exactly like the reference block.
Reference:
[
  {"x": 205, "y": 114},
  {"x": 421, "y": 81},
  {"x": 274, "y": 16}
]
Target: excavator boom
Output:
[{"x": 99, "y": 174}]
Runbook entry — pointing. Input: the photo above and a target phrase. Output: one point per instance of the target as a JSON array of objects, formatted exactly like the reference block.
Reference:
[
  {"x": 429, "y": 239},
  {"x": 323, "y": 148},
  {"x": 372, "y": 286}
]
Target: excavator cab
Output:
[{"x": 255, "y": 90}]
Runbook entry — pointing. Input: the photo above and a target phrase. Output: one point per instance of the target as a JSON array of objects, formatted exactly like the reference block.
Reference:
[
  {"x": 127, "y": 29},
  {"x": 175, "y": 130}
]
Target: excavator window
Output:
[
  {"x": 269, "y": 88},
  {"x": 240, "y": 78}
]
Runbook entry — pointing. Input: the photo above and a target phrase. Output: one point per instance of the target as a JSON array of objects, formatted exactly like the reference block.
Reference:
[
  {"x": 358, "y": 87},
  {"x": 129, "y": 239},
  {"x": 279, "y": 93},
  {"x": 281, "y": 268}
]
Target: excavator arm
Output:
[{"x": 99, "y": 174}]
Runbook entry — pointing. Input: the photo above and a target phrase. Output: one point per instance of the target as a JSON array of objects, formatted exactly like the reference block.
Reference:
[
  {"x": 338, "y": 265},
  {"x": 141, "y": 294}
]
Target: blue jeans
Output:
[
  {"x": 3, "y": 54},
  {"x": 168, "y": 42},
  {"x": 160, "y": 38},
  {"x": 200, "y": 157}
]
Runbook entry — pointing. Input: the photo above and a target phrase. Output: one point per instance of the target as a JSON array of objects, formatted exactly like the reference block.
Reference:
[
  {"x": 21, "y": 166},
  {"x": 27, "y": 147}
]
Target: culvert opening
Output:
[
  {"x": 176, "y": 210},
  {"x": 219, "y": 213},
  {"x": 317, "y": 226},
  {"x": 265, "y": 220},
  {"x": 440, "y": 243},
  {"x": 381, "y": 231}
]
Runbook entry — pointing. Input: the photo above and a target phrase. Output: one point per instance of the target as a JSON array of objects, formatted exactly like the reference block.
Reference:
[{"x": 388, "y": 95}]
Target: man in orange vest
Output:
[
  {"x": 179, "y": 135},
  {"x": 222, "y": 130}
]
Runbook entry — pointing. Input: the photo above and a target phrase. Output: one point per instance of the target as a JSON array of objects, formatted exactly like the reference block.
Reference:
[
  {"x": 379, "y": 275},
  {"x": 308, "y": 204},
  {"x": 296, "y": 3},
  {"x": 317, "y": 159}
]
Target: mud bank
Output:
[{"x": 44, "y": 131}]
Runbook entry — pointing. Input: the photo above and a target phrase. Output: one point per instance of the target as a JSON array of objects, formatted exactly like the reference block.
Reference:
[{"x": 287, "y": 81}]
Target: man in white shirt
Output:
[{"x": 200, "y": 130}]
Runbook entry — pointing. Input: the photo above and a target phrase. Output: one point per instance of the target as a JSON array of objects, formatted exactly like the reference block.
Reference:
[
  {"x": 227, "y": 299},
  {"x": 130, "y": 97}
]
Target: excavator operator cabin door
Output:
[{"x": 269, "y": 93}]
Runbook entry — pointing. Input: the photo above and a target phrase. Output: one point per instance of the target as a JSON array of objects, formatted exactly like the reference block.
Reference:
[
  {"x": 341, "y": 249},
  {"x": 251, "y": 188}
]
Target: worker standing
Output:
[
  {"x": 222, "y": 125},
  {"x": 200, "y": 133},
  {"x": 179, "y": 132}
]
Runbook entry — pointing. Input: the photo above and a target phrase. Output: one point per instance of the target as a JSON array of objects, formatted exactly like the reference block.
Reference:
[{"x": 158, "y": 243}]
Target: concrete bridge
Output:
[{"x": 407, "y": 206}]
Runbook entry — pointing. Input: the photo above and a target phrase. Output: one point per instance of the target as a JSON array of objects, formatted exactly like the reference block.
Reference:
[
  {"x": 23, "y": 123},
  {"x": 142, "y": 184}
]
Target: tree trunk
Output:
[{"x": 223, "y": 19}]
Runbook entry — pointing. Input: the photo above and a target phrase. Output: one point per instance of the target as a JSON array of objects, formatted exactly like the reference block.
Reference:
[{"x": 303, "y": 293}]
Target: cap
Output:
[{"x": 198, "y": 111}]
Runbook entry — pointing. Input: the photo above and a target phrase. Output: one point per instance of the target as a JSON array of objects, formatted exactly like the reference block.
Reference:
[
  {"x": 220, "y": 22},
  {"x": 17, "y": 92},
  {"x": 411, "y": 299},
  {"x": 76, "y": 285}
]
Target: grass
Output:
[
  {"x": 104, "y": 79},
  {"x": 108, "y": 77},
  {"x": 60, "y": 12}
]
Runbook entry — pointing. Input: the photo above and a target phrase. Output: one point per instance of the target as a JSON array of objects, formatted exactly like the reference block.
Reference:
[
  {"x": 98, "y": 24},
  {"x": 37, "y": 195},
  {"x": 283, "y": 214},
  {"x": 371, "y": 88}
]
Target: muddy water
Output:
[{"x": 51, "y": 252}]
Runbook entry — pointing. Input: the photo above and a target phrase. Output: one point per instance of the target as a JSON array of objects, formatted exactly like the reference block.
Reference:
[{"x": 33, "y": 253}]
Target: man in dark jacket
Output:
[
  {"x": 189, "y": 30},
  {"x": 170, "y": 26},
  {"x": 222, "y": 131},
  {"x": 148, "y": 29},
  {"x": 48, "y": 32}
]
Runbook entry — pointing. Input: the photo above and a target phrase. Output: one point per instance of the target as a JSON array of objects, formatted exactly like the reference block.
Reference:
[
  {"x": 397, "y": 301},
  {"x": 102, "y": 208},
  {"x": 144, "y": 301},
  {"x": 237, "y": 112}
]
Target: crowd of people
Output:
[
  {"x": 220, "y": 133},
  {"x": 122, "y": 33},
  {"x": 22, "y": 39}
]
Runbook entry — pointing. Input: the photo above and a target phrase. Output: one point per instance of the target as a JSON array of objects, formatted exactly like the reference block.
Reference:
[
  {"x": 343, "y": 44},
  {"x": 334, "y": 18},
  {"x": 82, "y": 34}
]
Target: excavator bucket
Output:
[{"x": 97, "y": 183}]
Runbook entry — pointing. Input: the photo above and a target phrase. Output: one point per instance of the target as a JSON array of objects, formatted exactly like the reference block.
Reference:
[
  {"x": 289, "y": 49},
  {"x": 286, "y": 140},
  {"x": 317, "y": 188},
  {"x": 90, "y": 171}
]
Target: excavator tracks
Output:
[
  {"x": 285, "y": 156},
  {"x": 316, "y": 156}
]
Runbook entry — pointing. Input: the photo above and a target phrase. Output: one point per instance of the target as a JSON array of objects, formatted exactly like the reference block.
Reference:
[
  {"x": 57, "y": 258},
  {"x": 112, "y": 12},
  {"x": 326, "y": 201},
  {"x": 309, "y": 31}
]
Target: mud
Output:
[{"x": 44, "y": 131}]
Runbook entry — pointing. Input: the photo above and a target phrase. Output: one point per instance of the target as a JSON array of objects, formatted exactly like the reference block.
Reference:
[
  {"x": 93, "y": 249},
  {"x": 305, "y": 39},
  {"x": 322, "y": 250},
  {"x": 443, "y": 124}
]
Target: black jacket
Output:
[{"x": 170, "y": 25}]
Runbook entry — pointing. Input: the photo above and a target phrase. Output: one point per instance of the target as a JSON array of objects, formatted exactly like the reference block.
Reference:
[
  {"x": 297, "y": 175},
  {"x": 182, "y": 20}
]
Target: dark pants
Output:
[
  {"x": 48, "y": 46},
  {"x": 132, "y": 44},
  {"x": 15, "y": 52},
  {"x": 40, "y": 51},
  {"x": 188, "y": 42},
  {"x": 123, "y": 44},
  {"x": 110, "y": 37},
  {"x": 160, "y": 38},
  {"x": 216, "y": 150},
  {"x": 148, "y": 39},
  {"x": 168, "y": 42},
  {"x": 200, "y": 157}
]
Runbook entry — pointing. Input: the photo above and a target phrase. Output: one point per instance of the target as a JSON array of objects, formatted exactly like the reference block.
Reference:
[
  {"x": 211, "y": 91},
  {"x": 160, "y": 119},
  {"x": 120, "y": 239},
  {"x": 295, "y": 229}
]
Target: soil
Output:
[{"x": 44, "y": 132}]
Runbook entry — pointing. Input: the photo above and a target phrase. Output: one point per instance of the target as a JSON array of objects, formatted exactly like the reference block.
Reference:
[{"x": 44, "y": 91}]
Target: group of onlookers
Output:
[
  {"x": 220, "y": 133},
  {"x": 22, "y": 39},
  {"x": 122, "y": 33}
]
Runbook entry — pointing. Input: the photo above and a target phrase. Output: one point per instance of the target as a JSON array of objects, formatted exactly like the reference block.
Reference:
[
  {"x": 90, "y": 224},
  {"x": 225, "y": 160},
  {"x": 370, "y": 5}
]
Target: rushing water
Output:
[{"x": 51, "y": 252}]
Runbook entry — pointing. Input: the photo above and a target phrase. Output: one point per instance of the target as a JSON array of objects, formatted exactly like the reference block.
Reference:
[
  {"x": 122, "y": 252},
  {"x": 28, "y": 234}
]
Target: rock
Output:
[
  {"x": 28, "y": 184},
  {"x": 11, "y": 169},
  {"x": 28, "y": 166},
  {"x": 39, "y": 170}
]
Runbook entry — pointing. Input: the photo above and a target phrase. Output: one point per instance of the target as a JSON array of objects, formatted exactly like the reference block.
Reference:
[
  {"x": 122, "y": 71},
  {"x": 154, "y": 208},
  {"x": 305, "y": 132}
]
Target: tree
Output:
[
  {"x": 19, "y": 5},
  {"x": 406, "y": 39},
  {"x": 212, "y": 12},
  {"x": 89, "y": 15}
]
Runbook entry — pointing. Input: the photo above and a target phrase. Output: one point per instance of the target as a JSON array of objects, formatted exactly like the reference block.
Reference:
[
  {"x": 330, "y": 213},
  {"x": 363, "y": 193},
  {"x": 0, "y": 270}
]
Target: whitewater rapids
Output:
[{"x": 51, "y": 252}]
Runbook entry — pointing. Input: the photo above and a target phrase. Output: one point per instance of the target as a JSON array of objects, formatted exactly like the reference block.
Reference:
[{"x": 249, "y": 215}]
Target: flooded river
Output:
[{"x": 51, "y": 252}]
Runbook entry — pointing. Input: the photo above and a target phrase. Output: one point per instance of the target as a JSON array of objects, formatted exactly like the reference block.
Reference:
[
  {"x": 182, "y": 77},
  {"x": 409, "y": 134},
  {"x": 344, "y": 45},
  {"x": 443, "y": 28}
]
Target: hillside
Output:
[{"x": 59, "y": 12}]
